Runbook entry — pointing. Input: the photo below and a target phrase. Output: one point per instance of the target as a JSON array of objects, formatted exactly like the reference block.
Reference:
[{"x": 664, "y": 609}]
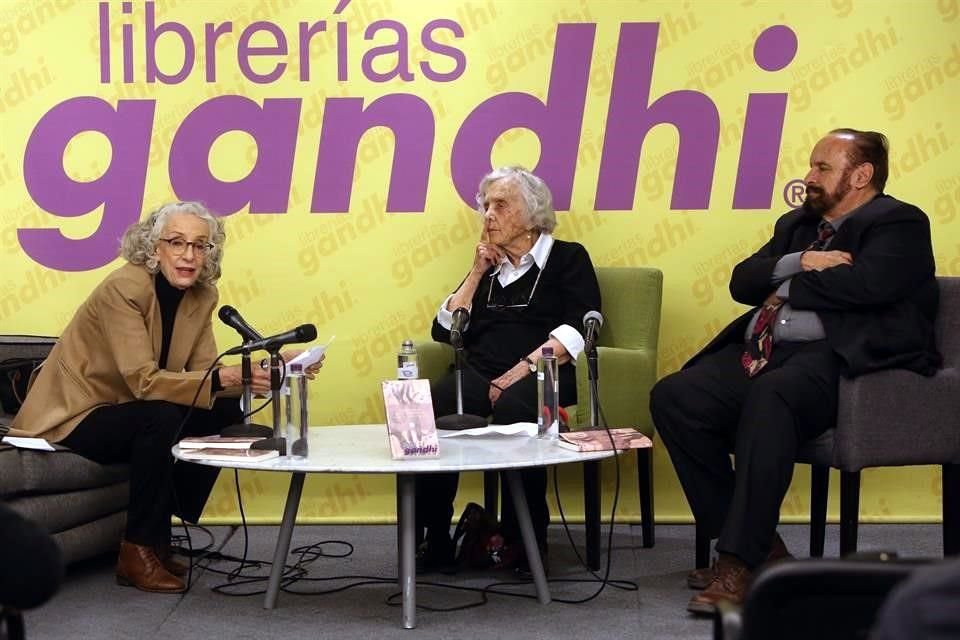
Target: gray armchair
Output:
[{"x": 898, "y": 418}]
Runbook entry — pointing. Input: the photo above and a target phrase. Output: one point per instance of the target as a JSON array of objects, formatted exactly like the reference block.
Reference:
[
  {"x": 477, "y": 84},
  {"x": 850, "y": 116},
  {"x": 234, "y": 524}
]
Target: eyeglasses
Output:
[
  {"x": 493, "y": 306},
  {"x": 178, "y": 246}
]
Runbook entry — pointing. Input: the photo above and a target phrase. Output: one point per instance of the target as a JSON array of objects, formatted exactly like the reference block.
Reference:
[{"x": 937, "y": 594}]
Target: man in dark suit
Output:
[{"x": 845, "y": 286}]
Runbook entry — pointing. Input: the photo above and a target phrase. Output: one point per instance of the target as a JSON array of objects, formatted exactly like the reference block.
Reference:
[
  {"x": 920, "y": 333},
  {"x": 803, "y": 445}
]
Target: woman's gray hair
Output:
[
  {"x": 536, "y": 194},
  {"x": 139, "y": 243}
]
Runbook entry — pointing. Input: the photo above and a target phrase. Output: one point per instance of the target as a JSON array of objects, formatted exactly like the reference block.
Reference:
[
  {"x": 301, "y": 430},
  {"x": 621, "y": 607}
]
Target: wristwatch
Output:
[{"x": 530, "y": 364}]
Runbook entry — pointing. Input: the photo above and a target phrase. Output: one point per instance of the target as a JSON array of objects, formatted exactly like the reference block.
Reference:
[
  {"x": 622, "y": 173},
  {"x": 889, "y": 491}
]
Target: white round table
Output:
[{"x": 365, "y": 449}]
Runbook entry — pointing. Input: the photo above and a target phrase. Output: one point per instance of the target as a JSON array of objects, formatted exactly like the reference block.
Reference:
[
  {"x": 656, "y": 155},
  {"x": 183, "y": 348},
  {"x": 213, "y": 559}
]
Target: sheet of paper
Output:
[
  {"x": 311, "y": 355},
  {"x": 516, "y": 429},
  {"x": 29, "y": 443}
]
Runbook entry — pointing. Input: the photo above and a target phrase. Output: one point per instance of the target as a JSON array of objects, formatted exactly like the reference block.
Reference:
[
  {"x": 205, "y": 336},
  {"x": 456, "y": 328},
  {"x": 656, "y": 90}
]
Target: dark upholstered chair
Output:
[
  {"x": 627, "y": 363},
  {"x": 890, "y": 418},
  {"x": 82, "y": 504},
  {"x": 823, "y": 599}
]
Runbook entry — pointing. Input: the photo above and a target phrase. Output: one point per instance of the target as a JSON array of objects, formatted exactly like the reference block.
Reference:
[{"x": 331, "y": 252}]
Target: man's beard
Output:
[{"x": 822, "y": 202}]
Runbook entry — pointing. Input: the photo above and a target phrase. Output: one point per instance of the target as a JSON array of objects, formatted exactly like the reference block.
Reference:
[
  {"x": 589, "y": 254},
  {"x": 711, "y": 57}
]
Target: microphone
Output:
[
  {"x": 460, "y": 318},
  {"x": 303, "y": 333},
  {"x": 232, "y": 318},
  {"x": 592, "y": 321}
]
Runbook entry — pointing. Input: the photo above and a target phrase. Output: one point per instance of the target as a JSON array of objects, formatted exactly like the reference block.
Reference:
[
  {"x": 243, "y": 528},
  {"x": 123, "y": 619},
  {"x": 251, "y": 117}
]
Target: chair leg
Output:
[
  {"x": 702, "y": 548},
  {"x": 849, "y": 511},
  {"x": 591, "y": 513},
  {"x": 645, "y": 480},
  {"x": 819, "y": 489},
  {"x": 491, "y": 493},
  {"x": 11, "y": 625},
  {"x": 951, "y": 509}
]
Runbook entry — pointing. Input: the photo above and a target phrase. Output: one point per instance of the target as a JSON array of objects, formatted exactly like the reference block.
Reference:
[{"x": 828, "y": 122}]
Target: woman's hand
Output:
[
  {"x": 233, "y": 377},
  {"x": 518, "y": 372},
  {"x": 486, "y": 255},
  {"x": 311, "y": 371}
]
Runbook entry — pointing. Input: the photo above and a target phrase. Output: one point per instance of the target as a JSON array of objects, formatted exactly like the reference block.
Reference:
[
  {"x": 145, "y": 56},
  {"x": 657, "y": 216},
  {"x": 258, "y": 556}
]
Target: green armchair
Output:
[{"x": 627, "y": 363}]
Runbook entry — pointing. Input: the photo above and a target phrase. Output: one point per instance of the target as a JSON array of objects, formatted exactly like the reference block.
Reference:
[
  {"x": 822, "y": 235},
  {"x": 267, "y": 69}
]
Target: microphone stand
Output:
[
  {"x": 593, "y": 376},
  {"x": 277, "y": 441},
  {"x": 460, "y": 420},
  {"x": 591, "y": 470},
  {"x": 246, "y": 428}
]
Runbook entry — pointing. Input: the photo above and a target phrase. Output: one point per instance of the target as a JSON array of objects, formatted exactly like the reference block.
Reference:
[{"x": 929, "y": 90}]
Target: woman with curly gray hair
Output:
[{"x": 120, "y": 382}]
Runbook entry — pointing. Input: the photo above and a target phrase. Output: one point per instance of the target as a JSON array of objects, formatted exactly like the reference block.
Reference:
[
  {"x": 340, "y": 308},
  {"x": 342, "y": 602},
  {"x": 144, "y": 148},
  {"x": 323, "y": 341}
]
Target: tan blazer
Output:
[{"x": 108, "y": 355}]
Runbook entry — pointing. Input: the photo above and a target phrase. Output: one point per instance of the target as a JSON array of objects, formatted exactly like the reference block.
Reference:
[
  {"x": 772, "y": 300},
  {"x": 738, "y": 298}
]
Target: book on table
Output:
[
  {"x": 229, "y": 455},
  {"x": 218, "y": 442},
  {"x": 411, "y": 428},
  {"x": 599, "y": 440}
]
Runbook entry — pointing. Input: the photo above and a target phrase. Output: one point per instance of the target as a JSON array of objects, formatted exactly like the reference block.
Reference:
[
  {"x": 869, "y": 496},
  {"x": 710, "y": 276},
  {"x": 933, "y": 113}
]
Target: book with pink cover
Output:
[
  {"x": 229, "y": 455},
  {"x": 218, "y": 442},
  {"x": 598, "y": 440},
  {"x": 411, "y": 428}
]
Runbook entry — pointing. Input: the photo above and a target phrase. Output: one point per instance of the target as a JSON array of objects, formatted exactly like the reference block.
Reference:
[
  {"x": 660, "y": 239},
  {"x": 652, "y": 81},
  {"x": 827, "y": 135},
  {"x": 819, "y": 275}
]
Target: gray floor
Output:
[{"x": 91, "y": 605}]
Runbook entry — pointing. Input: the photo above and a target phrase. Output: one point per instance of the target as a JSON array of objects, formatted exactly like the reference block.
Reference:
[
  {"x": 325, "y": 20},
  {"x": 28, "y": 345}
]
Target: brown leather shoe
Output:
[
  {"x": 139, "y": 566},
  {"x": 730, "y": 584},
  {"x": 702, "y": 577},
  {"x": 165, "y": 553}
]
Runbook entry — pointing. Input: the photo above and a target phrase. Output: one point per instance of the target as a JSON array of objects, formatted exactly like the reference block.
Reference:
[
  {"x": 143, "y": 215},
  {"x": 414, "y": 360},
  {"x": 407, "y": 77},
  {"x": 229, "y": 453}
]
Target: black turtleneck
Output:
[{"x": 169, "y": 297}]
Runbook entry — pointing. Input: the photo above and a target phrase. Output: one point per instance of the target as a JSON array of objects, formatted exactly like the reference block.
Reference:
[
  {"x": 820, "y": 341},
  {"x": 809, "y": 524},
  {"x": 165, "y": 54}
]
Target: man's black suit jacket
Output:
[{"x": 877, "y": 313}]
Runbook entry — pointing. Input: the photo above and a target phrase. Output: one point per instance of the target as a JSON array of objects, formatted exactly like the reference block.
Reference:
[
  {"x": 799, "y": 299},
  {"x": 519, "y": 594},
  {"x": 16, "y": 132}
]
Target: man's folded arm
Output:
[{"x": 894, "y": 259}]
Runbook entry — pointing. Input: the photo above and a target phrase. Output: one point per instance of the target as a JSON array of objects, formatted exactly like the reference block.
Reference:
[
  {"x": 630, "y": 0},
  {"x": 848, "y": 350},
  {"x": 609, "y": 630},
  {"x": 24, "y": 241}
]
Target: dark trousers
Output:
[
  {"x": 704, "y": 412},
  {"x": 435, "y": 492},
  {"x": 141, "y": 433}
]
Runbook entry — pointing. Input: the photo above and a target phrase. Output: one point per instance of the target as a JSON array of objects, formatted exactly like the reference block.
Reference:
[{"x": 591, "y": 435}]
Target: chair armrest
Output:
[
  {"x": 727, "y": 621},
  {"x": 433, "y": 359},
  {"x": 897, "y": 417},
  {"x": 625, "y": 379}
]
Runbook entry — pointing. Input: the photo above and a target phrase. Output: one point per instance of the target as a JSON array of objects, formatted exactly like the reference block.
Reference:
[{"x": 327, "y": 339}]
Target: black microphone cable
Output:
[
  {"x": 236, "y": 473},
  {"x": 605, "y": 579}
]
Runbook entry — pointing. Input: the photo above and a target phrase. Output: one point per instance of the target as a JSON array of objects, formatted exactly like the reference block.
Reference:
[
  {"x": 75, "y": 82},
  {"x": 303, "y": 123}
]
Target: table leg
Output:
[
  {"x": 529, "y": 539},
  {"x": 408, "y": 571},
  {"x": 283, "y": 539}
]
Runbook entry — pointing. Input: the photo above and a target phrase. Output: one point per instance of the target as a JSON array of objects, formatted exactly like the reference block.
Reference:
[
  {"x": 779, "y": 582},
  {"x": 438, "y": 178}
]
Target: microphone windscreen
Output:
[
  {"x": 226, "y": 312},
  {"x": 306, "y": 332},
  {"x": 593, "y": 315}
]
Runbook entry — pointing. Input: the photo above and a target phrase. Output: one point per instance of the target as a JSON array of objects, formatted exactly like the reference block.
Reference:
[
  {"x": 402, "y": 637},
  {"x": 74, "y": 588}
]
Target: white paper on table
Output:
[
  {"x": 29, "y": 443},
  {"x": 528, "y": 429}
]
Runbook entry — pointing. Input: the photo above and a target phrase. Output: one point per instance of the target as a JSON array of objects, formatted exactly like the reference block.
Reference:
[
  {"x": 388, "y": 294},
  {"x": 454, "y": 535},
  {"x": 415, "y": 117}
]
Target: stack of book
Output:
[{"x": 224, "y": 448}]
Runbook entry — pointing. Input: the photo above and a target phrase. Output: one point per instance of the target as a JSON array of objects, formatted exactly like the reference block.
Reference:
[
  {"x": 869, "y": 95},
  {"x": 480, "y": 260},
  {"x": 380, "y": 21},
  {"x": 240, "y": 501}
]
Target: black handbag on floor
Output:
[{"x": 478, "y": 533}]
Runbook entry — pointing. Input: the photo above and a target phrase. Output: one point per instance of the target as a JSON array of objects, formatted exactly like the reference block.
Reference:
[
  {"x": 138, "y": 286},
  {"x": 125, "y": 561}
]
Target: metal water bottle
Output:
[
  {"x": 548, "y": 395},
  {"x": 407, "y": 362},
  {"x": 298, "y": 421}
]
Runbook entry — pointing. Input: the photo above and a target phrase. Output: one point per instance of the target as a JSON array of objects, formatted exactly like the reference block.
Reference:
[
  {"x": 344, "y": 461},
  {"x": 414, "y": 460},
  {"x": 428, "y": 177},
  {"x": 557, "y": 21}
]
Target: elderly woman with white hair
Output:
[
  {"x": 525, "y": 291},
  {"x": 118, "y": 384}
]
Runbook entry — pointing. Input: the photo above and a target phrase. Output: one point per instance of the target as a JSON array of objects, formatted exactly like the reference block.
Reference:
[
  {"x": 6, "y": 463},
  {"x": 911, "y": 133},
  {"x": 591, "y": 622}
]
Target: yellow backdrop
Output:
[{"x": 374, "y": 277}]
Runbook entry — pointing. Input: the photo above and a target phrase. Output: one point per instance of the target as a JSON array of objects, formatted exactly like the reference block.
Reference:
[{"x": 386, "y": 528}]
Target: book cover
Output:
[
  {"x": 411, "y": 428},
  {"x": 598, "y": 440},
  {"x": 229, "y": 455},
  {"x": 218, "y": 442}
]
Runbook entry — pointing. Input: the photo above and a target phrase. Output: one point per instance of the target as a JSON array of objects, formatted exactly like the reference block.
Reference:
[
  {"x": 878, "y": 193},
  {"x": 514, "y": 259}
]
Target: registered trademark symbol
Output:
[{"x": 794, "y": 192}]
